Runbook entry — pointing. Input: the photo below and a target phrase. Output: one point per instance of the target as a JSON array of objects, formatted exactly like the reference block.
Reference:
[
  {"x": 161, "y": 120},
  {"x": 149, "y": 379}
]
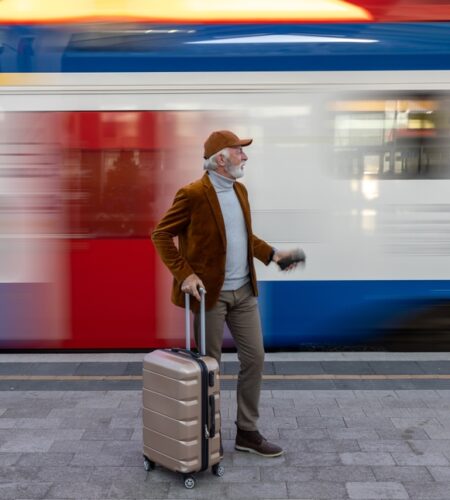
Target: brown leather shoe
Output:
[{"x": 253, "y": 442}]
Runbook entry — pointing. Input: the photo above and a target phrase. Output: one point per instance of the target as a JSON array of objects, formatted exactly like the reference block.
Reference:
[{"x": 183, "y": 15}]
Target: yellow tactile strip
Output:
[{"x": 71, "y": 378}]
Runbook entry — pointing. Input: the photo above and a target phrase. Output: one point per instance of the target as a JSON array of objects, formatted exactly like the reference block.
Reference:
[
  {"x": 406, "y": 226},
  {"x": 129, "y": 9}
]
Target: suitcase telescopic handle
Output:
[{"x": 187, "y": 299}]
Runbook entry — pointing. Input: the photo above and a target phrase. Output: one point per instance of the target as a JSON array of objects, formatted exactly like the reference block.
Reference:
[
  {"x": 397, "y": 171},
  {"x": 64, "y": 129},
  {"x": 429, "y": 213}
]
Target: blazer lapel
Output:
[{"x": 215, "y": 207}]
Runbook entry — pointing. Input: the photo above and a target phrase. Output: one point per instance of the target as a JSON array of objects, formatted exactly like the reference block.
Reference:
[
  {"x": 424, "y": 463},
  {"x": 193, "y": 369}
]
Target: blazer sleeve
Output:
[
  {"x": 262, "y": 250},
  {"x": 174, "y": 222}
]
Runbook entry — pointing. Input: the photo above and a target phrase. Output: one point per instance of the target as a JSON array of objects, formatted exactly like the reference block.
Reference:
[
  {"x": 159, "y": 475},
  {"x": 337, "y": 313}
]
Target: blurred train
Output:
[{"x": 101, "y": 123}]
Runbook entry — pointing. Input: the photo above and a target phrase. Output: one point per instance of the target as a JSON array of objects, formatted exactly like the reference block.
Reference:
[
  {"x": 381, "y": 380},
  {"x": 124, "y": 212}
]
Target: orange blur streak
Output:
[{"x": 36, "y": 11}]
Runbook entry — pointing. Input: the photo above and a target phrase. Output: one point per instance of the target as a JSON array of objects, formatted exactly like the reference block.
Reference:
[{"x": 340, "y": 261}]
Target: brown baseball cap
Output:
[{"x": 221, "y": 139}]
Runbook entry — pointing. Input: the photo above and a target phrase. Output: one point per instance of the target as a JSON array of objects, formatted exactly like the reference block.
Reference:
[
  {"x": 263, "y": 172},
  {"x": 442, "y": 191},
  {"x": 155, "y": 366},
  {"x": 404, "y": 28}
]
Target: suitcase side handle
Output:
[
  {"x": 186, "y": 351},
  {"x": 187, "y": 316}
]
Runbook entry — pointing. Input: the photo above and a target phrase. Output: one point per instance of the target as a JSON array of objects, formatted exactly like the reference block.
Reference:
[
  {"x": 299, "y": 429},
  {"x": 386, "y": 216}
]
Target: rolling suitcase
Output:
[{"x": 181, "y": 408}]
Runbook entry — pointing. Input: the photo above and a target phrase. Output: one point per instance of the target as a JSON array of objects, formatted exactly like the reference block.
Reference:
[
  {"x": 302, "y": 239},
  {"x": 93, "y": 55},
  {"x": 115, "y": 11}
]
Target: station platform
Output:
[{"x": 365, "y": 425}]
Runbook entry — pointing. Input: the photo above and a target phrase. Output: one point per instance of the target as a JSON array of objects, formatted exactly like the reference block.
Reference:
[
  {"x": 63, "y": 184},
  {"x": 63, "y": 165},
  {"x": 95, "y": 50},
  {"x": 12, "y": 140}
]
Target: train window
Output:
[
  {"x": 109, "y": 193},
  {"x": 405, "y": 138}
]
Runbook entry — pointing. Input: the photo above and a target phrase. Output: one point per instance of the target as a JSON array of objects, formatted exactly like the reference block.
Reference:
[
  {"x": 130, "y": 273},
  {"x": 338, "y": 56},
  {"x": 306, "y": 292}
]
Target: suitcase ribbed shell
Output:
[{"x": 172, "y": 410}]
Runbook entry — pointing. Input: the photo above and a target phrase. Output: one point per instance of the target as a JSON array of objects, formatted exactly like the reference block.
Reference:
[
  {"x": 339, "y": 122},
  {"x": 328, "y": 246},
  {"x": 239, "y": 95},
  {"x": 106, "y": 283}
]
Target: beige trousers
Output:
[{"x": 239, "y": 310}]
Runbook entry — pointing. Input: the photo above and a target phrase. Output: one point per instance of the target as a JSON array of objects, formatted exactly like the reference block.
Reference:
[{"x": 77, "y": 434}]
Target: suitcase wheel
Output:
[
  {"x": 148, "y": 464},
  {"x": 189, "y": 482},
  {"x": 218, "y": 470}
]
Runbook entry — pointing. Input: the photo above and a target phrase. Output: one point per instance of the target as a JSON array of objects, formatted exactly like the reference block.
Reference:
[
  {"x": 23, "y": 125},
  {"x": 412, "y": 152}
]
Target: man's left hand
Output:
[{"x": 296, "y": 256}]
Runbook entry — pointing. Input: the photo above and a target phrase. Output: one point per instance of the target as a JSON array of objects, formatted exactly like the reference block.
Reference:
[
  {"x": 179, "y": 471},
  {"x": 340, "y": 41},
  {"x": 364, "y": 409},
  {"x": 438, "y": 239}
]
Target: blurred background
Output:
[{"x": 104, "y": 108}]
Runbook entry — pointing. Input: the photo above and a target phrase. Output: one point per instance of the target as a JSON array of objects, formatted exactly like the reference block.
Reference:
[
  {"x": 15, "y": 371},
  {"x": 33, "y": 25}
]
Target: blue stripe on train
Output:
[
  {"x": 155, "y": 48},
  {"x": 297, "y": 313}
]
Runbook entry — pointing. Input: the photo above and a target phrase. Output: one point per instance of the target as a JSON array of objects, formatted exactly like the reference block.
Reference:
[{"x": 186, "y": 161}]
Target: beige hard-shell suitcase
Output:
[{"x": 181, "y": 408}]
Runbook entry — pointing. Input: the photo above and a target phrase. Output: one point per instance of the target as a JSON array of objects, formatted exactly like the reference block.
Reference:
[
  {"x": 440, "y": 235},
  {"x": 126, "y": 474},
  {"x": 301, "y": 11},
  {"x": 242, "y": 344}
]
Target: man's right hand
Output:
[{"x": 191, "y": 285}]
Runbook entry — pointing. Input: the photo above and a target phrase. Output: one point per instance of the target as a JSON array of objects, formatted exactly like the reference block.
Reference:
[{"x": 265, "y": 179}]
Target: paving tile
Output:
[
  {"x": 36, "y": 423},
  {"x": 242, "y": 474},
  {"x": 412, "y": 473},
  {"x": 360, "y": 403},
  {"x": 26, "y": 412},
  {"x": 376, "y": 394},
  {"x": 376, "y": 490},
  {"x": 389, "y": 412},
  {"x": 366, "y": 458},
  {"x": 75, "y": 446},
  {"x": 303, "y": 433},
  {"x": 437, "y": 432},
  {"x": 440, "y": 473},
  {"x": 372, "y": 423},
  {"x": 258, "y": 490},
  {"x": 343, "y": 473},
  {"x": 106, "y": 402},
  {"x": 354, "y": 433},
  {"x": 318, "y": 490},
  {"x": 405, "y": 434},
  {"x": 296, "y": 412},
  {"x": 422, "y": 459},
  {"x": 278, "y": 422},
  {"x": 384, "y": 445},
  {"x": 328, "y": 445},
  {"x": 107, "y": 434},
  {"x": 423, "y": 445},
  {"x": 96, "y": 459},
  {"x": 425, "y": 395},
  {"x": 92, "y": 413},
  {"x": 341, "y": 412},
  {"x": 125, "y": 422},
  {"x": 408, "y": 422},
  {"x": 15, "y": 490},
  {"x": 277, "y": 403},
  {"x": 300, "y": 395},
  {"x": 64, "y": 474},
  {"x": 320, "y": 422},
  {"x": 303, "y": 459},
  {"x": 7, "y": 423},
  {"x": 288, "y": 445},
  {"x": 411, "y": 403},
  {"x": 133, "y": 489},
  {"x": 17, "y": 473},
  {"x": 252, "y": 460},
  {"x": 85, "y": 423},
  {"x": 44, "y": 459},
  {"x": 319, "y": 404},
  {"x": 9, "y": 458},
  {"x": 285, "y": 473},
  {"x": 428, "y": 491},
  {"x": 76, "y": 489},
  {"x": 25, "y": 444},
  {"x": 204, "y": 489}
]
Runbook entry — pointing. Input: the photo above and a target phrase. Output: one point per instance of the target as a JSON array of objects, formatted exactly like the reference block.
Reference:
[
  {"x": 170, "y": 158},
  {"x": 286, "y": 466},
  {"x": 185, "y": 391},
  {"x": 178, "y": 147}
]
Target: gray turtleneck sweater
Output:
[{"x": 236, "y": 265}]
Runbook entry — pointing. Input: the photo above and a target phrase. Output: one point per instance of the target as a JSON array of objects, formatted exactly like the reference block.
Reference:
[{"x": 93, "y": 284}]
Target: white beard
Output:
[{"x": 236, "y": 171}]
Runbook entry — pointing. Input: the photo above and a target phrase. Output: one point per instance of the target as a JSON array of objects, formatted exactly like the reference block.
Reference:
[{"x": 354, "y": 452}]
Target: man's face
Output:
[{"x": 234, "y": 165}]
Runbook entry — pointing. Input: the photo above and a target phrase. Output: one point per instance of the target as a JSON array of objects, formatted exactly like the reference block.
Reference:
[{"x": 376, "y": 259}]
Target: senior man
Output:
[{"x": 216, "y": 247}]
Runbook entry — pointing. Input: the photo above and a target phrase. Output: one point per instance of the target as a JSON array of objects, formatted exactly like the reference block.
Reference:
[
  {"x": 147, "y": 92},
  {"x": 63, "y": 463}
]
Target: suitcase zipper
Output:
[{"x": 205, "y": 434}]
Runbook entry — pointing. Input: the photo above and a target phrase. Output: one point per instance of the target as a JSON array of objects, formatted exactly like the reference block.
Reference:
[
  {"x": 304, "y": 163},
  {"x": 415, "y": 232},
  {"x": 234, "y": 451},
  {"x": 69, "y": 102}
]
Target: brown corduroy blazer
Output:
[{"x": 196, "y": 218}]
